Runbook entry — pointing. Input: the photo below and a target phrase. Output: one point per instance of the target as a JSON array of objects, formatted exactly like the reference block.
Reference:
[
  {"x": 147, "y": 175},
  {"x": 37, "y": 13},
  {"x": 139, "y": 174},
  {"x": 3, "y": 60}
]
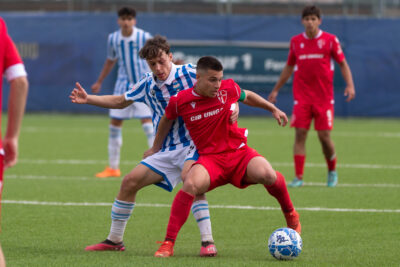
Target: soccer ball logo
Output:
[{"x": 285, "y": 244}]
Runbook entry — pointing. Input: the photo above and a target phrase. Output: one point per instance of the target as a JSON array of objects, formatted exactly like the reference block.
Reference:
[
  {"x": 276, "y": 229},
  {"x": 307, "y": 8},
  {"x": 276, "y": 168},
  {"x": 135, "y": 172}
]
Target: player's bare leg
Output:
[
  {"x": 299, "y": 156},
  {"x": 114, "y": 150},
  {"x": 328, "y": 149},
  {"x": 260, "y": 171}
]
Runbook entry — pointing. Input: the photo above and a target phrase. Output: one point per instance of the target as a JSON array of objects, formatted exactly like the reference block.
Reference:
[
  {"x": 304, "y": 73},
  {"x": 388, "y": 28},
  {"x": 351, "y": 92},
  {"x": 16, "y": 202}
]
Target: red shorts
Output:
[
  {"x": 322, "y": 113},
  {"x": 228, "y": 167}
]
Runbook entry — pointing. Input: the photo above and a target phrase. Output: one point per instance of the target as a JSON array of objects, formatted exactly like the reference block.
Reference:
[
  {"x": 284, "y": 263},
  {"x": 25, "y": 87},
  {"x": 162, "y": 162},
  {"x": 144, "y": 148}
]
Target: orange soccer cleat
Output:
[
  {"x": 166, "y": 250},
  {"x": 293, "y": 221},
  {"x": 109, "y": 172}
]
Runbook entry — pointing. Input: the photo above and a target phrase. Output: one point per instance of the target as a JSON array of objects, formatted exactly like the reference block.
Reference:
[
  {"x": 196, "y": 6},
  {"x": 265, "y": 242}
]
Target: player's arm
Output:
[
  {"x": 283, "y": 78},
  {"x": 79, "y": 96},
  {"x": 162, "y": 131},
  {"x": 16, "y": 108},
  {"x": 107, "y": 67},
  {"x": 350, "y": 91},
  {"x": 252, "y": 99}
]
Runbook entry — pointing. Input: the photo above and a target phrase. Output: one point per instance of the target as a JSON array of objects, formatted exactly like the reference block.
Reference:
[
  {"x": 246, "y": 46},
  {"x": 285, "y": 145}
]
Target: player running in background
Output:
[
  {"x": 222, "y": 146},
  {"x": 177, "y": 154},
  {"x": 311, "y": 58},
  {"x": 124, "y": 46},
  {"x": 13, "y": 69}
]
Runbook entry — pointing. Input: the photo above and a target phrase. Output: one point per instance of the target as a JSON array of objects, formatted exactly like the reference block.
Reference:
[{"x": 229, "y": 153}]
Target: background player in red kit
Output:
[
  {"x": 222, "y": 146},
  {"x": 311, "y": 58},
  {"x": 14, "y": 71}
]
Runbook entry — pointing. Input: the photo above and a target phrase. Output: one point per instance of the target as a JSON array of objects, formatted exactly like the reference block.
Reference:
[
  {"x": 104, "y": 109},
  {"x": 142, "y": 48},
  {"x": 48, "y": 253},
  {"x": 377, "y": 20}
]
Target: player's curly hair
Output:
[
  {"x": 311, "y": 10},
  {"x": 154, "y": 47}
]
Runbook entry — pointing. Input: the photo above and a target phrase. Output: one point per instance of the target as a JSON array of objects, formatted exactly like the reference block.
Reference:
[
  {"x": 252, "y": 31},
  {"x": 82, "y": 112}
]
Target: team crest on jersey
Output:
[
  {"x": 176, "y": 86},
  {"x": 321, "y": 43},
  {"x": 222, "y": 96},
  {"x": 152, "y": 92},
  {"x": 193, "y": 104}
]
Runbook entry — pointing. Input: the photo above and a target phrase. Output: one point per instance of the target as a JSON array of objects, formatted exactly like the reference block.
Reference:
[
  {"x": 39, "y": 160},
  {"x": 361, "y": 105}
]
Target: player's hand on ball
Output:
[{"x": 78, "y": 95}]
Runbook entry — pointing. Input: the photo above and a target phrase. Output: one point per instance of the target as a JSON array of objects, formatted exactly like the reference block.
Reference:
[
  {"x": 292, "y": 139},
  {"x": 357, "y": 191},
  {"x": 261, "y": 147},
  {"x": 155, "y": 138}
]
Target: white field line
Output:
[
  {"x": 83, "y": 178},
  {"x": 96, "y": 204},
  {"x": 133, "y": 163},
  {"x": 32, "y": 129}
]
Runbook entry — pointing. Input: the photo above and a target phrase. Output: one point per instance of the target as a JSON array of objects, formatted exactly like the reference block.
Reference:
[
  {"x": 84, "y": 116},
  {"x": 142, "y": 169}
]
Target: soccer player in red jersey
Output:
[
  {"x": 13, "y": 69},
  {"x": 311, "y": 58},
  {"x": 222, "y": 146}
]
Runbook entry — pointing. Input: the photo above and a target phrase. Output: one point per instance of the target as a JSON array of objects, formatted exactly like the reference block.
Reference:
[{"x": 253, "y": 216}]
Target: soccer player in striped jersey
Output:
[
  {"x": 123, "y": 46},
  {"x": 311, "y": 58},
  {"x": 178, "y": 152},
  {"x": 225, "y": 156}
]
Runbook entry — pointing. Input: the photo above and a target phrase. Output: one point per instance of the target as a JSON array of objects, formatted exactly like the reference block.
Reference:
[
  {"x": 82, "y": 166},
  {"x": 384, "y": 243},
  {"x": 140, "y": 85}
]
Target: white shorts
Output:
[
  {"x": 169, "y": 164},
  {"x": 137, "y": 110}
]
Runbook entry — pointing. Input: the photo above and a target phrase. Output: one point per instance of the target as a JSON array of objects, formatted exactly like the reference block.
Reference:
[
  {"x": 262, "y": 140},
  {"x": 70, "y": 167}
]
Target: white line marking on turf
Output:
[
  {"x": 83, "y": 178},
  {"x": 133, "y": 163},
  {"x": 156, "y": 205}
]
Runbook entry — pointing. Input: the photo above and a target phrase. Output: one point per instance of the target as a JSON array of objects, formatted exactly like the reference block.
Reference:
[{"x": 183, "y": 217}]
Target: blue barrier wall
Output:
[{"x": 61, "y": 48}]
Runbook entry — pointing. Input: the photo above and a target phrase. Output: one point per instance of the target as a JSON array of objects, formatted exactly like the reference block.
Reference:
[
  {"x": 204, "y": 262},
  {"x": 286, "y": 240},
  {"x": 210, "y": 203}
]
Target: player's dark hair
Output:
[
  {"x": 154, "y": 47},
  {"x": 208, "y": 62},
  {"x": 311, "y": 10},
  {"x": 126, "y": 11}
]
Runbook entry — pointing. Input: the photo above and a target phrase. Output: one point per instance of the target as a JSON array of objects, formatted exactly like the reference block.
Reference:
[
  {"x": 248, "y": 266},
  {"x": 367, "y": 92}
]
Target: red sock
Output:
[
  {"x": 331, "y": 163},
  {"x": 179, "y": 213},
  {"x": 299, "y": 165},
  {"x": 279, "y": 191}
]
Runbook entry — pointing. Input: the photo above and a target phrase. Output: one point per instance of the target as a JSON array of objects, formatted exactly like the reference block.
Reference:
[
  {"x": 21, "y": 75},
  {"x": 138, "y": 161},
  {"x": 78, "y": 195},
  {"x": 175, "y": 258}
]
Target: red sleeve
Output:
[
  {"x": 171, "y": 111},
  {"x": 237, "y": 90},
  {"x": 336, "y": 50},
  {"x": 11, "y": 56},
  {"x": 291, "y": 61}
]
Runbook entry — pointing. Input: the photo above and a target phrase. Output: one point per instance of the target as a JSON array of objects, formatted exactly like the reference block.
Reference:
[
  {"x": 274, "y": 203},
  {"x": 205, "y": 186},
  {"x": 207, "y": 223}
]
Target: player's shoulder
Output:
[
  {"x": 329, "y": 36},
  {"x": 297, "y": 38},
  {"x": 228, "y": 83},
  {"x": 3, "y": 27},
  {"x": 188, "y": 67}
]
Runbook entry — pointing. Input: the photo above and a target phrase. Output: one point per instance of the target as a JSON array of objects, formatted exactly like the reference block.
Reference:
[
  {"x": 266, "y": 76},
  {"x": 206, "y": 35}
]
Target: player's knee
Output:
[
  {"x": 130, "y": 182},
  {"x": 190, "y": 186},
  {"x": 269, "y": 176}
]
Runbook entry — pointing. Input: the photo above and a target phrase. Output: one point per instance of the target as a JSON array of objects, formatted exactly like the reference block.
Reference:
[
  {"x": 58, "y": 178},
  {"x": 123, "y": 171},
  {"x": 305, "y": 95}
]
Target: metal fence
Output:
[{"x": 368, "y": 8}]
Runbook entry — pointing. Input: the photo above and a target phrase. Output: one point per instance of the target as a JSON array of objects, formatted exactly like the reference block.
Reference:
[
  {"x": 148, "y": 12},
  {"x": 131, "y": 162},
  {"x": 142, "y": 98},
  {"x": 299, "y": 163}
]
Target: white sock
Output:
[
  {"x": 202, "y": 215},
  {"x": 149, "y": 131},
  {"x": 120, "y": 213},
  {"x": 114, "y": 146}
]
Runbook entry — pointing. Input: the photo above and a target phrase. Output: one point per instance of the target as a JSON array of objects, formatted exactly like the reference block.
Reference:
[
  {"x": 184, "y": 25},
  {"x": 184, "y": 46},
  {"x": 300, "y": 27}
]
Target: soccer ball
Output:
[{"x": 285, "y": 244}]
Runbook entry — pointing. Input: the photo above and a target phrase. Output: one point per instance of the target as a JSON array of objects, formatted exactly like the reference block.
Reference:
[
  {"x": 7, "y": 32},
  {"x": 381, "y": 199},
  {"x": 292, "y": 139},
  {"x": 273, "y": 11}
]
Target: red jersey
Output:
[
  {"x": 9, "y": 57},
  {"x": 314, "y": 66},
  {"x": 207, "y": 119}
]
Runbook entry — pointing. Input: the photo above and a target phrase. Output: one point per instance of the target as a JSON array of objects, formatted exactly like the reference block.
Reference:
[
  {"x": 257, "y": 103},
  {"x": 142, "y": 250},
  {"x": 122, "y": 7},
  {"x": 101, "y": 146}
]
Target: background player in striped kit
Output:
[
  {"x": 13, "y": 69},
  {"x": 124, "y": 46},
  {"x": 311, "y": 58},
  {"x": 178, "y": 151}
]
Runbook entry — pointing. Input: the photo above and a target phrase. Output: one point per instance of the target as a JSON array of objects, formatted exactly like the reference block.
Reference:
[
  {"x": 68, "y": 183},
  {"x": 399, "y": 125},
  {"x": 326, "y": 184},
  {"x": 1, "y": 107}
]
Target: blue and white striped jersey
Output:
[
  {"x": 156, "y": 95},
  {"x": 126, "y": 49}
]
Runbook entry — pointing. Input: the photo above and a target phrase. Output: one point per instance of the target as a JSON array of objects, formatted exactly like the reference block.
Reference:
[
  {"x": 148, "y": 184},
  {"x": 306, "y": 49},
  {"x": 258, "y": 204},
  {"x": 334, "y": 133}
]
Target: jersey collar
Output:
[{"x": 317, "y": 36}]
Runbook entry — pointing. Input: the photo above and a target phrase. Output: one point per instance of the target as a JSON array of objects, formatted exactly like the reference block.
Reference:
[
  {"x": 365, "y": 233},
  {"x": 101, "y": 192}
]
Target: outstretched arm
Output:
[
  {"x": 79, "y": 96},
  {"x": 350, "y": 92},
  {"x": 285, "y": 75},
  {"x": 255, "y": 100},
  {"x": 161, "y": 133}
]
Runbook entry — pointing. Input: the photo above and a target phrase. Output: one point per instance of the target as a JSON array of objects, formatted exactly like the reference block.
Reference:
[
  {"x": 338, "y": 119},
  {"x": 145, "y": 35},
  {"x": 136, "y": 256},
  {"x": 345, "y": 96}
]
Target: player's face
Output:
[
  {"x": 126, "y": 23},
  {"x": 311, "y": 24},
  {"x": 209, "y": 82},
  {"x": 161, "y": 65}
]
